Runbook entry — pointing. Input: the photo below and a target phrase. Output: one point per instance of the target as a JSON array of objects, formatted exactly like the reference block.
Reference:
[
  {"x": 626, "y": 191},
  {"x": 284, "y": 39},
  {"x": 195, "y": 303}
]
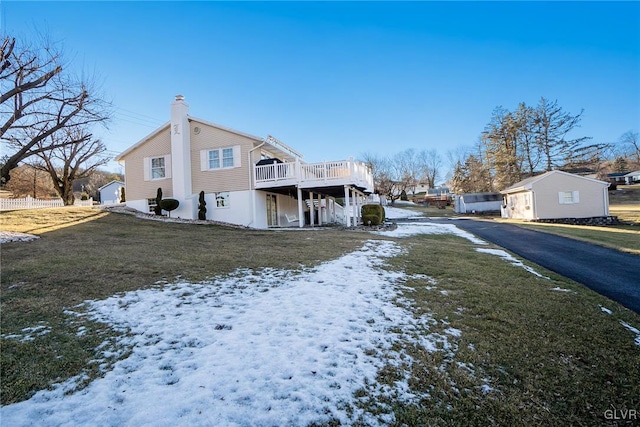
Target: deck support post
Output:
[
  {"x": 347, "y": 218},
  {"x": 327, "y": 210},
  {"x": 319, "y": 209},
  {"x": 312, "y": 216},
  {"x": 356, "y": 199},
  {"x": 300, "y": 208}
]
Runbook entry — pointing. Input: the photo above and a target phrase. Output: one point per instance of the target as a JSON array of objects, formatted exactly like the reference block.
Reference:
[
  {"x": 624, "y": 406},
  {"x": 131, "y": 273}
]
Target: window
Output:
[
  {"x": 227, "y": 158},
  {"x": 214, "y": 159},
  {"x": 157, "y": 168},
  {"x": 222, "y": 200},
  {"x": 568, "y": 197},
  {"x": 220, "y": 158}
]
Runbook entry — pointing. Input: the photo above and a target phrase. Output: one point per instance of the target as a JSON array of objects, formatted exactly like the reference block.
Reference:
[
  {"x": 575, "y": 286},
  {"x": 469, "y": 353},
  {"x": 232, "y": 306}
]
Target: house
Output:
[
  {"x": 477, "y": 203},
  {"x": 617, "y": 177},
  {"x": 111, "y": 193},
  {"x": 247, "y": 180},
  {"x": 555, "y": 195},
  {"x": 632, "y": 178},
  {"x": 439, "y": 196}
]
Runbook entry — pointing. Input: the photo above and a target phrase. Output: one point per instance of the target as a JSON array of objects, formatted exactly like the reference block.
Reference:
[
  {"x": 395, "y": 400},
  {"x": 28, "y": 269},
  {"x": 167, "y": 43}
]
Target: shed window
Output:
[{"x": 568, "y": 197}]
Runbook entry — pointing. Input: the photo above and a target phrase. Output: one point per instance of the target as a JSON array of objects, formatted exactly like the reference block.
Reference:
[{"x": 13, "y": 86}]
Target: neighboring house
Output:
[
  {"x": 477, "y": 202},
  {"x": 632, "y": 178},
  {"x": 110, "y": 193},
  {"x": 617, "y": 177},
  {"x": 555, "y": 195},
  {"x": 247, "y": 180}
]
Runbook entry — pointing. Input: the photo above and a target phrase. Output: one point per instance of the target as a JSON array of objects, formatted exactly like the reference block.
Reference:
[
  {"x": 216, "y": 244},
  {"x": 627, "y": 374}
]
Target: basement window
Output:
[{"x": 222, "y": 200}]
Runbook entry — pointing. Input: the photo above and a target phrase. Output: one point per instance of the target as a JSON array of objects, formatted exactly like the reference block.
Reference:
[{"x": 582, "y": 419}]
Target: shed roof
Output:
[
  {"x": 481, "y": 197},
  {"x": 112, "y": 182},
  {"x": 526, "y": 184}
]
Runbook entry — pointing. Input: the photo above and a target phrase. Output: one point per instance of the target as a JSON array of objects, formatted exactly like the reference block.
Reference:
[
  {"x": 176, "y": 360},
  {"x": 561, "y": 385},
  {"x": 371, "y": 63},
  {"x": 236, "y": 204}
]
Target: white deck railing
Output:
[{"x": 314, "y": 174}]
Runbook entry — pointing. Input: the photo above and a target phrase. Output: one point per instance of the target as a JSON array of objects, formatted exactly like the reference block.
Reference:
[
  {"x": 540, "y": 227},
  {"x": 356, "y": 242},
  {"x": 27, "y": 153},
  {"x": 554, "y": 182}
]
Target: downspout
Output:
[{"x": 251, "y": 170}]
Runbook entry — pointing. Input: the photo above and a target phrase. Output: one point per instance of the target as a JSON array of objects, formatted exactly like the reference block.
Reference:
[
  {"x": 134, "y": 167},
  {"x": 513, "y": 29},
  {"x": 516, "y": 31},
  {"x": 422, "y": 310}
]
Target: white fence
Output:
[{"x": 31, "y": 203}]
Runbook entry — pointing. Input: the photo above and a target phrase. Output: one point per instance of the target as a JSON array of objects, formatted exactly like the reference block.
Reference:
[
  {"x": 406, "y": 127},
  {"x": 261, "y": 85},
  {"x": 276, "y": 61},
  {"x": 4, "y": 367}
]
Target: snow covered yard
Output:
[
  {"x": 273, "y": 347},
  {"x": 268, "y": 347}
]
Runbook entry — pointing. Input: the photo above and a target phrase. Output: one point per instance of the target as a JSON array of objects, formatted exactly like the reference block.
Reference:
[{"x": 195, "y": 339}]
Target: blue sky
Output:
[{"x": 339, "y": 79}]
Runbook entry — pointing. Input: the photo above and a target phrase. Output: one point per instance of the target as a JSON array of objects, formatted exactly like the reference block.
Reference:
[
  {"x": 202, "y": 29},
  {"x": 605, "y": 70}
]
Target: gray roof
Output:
[
  {"x": 481, "y": 197},
  {"x": 525, "y": 184}
]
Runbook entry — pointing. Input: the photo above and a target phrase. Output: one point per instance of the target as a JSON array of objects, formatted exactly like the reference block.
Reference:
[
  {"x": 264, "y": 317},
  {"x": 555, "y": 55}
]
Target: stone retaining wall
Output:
[{"x": 596, "y": 220}]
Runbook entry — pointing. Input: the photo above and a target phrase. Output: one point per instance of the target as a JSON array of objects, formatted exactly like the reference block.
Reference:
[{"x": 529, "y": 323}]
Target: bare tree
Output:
[
  {"x": 429, "y": 165},
  {"x": 391, "y": 175},
  {"x": 38, "y": 99},
  {"x": 631, "y": 145},
  {"x": 28, "y": 180},
  {"x": 76, "y": 156}
]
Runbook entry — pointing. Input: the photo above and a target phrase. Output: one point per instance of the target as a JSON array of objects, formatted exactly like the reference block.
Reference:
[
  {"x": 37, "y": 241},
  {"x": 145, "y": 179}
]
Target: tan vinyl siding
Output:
[
  {"x": 591, "y": 200},
  {"x": 136, "y": 187},
  {"x": 211, "y": 181}
]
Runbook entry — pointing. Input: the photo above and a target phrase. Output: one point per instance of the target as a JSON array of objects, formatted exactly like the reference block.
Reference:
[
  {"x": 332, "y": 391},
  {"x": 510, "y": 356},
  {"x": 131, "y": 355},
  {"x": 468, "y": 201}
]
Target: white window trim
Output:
[
  {"x": 227, "y": 198},
  {"x": 147, "y": 167},
  {"x": 204, "y": 158}
]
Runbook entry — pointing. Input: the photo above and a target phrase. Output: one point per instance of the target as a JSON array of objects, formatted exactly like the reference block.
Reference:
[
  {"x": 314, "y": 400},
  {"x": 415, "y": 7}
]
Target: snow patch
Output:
[
  {"x": 12, "y": 236},
  {"x": 634, "y": 330},
  {"x": 509, "y": 258},
  {"x": 559, "y": 289},
  {"x": 605, "y": 310},
  {"x": 407, "y": 230}
]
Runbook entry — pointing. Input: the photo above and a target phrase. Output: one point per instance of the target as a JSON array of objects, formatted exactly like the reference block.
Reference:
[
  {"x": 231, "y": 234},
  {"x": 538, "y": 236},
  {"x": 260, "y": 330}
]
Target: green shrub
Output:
[
  {"x": 169, "y": 205},
  {"x": 202, "y": 210},
  {"x": 372, "y": 212},
  {"x": 371, "y": 220},
  {"x": 158, "y": 209}
]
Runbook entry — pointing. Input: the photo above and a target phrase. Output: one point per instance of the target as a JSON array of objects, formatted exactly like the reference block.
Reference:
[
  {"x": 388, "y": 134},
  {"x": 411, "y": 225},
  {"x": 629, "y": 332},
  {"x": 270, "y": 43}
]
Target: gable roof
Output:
[
  {"x": 108, "y": 184},
  {"x": 270, "y": 141},
  {"x": 632, "y": 174},
  {"x": 526, "y": 184}
]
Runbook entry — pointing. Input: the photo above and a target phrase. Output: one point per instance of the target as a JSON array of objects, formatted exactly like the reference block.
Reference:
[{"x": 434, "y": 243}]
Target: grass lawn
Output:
[{"x": 531, "y": 351}]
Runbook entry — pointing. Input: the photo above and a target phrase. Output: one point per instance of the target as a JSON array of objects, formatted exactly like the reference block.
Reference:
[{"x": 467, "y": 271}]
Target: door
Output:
[{"x": 272, "y": 210}]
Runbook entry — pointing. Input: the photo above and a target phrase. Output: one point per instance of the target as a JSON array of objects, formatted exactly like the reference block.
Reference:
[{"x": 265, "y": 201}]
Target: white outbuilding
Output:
[
  {"x": 111, "y": 193},
  {"x": 555, "y": 195}
]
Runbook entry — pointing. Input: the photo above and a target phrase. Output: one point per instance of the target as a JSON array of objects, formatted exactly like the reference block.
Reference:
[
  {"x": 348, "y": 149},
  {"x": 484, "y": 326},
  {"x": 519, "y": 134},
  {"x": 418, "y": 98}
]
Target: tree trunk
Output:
[{"x": 66, "y": 192}]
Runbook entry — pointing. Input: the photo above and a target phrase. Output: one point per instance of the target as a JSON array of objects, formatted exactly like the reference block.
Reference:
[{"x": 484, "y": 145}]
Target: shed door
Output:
[{"x": 272, "y": 210}]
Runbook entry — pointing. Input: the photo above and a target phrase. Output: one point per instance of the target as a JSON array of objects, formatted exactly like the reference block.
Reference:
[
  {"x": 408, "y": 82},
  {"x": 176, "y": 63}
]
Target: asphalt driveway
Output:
[{"x": 609, "y": 272}]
